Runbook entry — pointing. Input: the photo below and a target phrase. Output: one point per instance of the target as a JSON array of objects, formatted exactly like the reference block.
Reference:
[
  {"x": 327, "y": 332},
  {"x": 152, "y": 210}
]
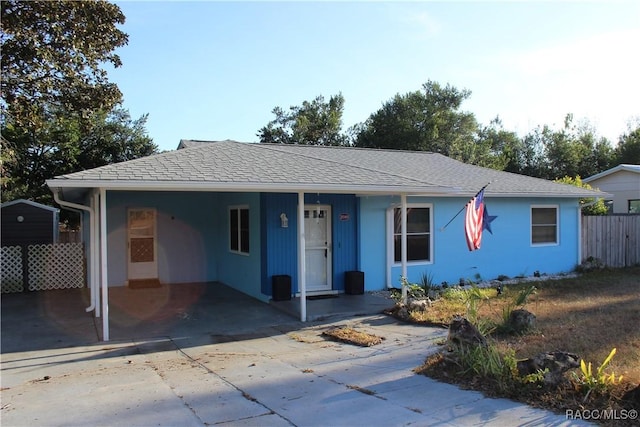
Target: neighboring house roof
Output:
[
  {"x": 621, "y": 167},
  {"x": 31, "y": 203},
  {"x": 236, "y": 166}
]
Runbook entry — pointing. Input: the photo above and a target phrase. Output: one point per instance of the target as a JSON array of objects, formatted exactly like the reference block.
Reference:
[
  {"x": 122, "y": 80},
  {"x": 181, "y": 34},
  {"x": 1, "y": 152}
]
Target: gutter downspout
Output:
[{"x": 92, "y": 254}]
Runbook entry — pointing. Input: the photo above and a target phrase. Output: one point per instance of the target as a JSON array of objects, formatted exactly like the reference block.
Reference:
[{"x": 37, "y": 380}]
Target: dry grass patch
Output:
[
  {"x": 351, "y": 336},
  {"x": 588, "y": 315}
]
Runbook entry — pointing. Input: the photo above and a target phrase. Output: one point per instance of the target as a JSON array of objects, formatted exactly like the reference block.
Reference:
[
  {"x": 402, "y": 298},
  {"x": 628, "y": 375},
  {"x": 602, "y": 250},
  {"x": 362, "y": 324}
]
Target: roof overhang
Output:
[{"x": 82, "y": 186}]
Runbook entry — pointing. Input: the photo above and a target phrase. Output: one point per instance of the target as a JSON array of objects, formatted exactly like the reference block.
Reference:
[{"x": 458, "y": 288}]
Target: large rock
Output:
[
  {"x": 557, "y": 362},
  {"x": 463, "y": 332},
  {"x": 521, "y": 320}
]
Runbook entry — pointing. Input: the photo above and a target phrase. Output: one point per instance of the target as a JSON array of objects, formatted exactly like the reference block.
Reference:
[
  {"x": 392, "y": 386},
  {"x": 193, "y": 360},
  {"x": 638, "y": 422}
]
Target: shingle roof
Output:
[{"x": 235, "y": 166}]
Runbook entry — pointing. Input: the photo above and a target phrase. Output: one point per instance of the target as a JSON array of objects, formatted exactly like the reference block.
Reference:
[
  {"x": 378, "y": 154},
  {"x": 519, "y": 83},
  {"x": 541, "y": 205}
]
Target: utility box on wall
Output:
[
  {"x": 354, "y": 282},
  {"x": 281, "y": 287}
]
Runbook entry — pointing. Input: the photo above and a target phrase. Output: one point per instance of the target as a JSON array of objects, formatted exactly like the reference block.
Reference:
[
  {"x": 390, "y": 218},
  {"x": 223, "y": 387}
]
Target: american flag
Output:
[{"x": 474, "y": 220}]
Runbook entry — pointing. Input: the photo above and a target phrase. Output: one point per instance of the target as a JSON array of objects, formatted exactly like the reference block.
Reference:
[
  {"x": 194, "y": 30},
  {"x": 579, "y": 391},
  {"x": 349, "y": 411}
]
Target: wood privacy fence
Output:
[
  {"x": 612, "y": 239},
  {"x": 42, "y": 267}
]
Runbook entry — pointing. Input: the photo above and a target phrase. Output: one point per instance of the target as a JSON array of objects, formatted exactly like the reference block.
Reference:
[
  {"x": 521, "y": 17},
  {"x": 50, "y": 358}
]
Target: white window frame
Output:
[
  {"x": 557, "y": 225},
  {"x": 391, "y": 232},
  {"x": 238, "y": 209}
]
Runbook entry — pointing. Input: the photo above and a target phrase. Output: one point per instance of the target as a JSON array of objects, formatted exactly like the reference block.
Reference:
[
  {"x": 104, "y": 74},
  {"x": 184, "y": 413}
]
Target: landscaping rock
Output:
[
  {"x": 522, "y": 320},
  {"x": 557, "y": 362},
  {"x": 463, "y": 332},
  {"x": 419, "y": 304}
]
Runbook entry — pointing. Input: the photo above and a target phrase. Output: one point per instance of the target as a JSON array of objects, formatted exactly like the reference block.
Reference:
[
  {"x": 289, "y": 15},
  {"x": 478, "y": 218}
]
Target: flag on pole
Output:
[{"x": 473, "y": 223}]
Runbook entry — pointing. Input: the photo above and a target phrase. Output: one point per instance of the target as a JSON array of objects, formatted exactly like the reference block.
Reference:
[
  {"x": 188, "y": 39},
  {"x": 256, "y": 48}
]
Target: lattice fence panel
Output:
[
  {"x": 11, "y": 279},
  {"x": 57, "y": 266}
]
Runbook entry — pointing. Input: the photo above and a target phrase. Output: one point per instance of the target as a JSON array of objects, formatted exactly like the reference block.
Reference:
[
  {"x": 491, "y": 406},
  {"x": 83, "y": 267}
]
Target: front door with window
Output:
[
  {"x": 142, "y": 258},
  {"x": 317, "y": 229}
]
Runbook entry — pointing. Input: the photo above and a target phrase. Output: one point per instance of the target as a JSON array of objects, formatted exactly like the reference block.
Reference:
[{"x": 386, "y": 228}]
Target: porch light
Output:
[{"x": 284, "y": 221}]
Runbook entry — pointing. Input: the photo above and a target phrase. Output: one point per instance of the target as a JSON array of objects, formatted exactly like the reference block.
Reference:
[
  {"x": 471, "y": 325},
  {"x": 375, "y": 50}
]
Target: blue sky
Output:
[{"x": 215, "y": 70}]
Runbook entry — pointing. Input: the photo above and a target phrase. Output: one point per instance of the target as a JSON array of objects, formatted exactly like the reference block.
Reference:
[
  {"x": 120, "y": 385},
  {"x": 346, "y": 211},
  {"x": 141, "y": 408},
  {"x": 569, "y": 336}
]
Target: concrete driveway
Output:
[{"x": 279, "y": 372}]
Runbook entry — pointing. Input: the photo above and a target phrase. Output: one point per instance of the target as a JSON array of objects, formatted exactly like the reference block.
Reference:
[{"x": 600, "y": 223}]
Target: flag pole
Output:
[{"x": 465, "y": 205}]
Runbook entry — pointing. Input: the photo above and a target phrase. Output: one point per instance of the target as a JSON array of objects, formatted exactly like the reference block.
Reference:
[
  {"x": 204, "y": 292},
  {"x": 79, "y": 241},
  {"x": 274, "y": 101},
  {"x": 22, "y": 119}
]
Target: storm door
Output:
[
  {"x": 317, "y": 228},
  {"x": 141, "y": 246}
]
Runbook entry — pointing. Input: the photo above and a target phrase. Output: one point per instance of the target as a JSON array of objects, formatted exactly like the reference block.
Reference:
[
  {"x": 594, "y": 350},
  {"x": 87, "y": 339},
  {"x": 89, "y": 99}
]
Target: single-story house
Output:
[
  {"x": 242, "y": 213},
  {"x": 623, "y": 183}
]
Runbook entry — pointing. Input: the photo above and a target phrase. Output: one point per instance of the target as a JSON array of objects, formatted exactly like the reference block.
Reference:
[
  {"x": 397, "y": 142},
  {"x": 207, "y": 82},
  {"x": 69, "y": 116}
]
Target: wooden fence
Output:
[{"x": 612, "y": 239}]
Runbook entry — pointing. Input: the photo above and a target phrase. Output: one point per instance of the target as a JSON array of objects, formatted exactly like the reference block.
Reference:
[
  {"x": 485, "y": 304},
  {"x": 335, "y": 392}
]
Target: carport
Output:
[{"x": 57, "y": 318}]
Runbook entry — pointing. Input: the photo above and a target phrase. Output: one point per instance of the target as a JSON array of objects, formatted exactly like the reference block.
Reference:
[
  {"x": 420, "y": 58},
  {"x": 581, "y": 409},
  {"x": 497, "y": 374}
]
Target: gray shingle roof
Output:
[{"x": 235, "y": 166}]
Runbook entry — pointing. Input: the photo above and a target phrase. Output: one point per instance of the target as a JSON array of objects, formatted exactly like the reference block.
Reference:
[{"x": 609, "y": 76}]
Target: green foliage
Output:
[
  {"x": 597, "y": 381},
  {"x": 68, "y": 144},
  {"x": 427, "y": 282},
  {"x": 628, "y": 149},
  {"x": 52, "y": 57},
  {"x": 59, "y": 109},
  {"x": 536, "y": 377},
  {"x": 591, "y": 206},
  {"x": 313, "y": 123},
  {"x": 488, "y": 363},
  {"x": 427, "y": 120}
]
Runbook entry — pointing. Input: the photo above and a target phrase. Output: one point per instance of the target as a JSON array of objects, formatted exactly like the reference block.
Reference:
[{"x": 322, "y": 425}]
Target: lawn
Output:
[{"x": 587, "y": 315}]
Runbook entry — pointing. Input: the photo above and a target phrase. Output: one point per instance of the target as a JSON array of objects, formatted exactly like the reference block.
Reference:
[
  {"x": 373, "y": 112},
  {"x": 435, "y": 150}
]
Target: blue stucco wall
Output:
[
  {"x": 507, "y": 251},
  {"x": 240, "y": 271},
  {"x": 281, "y": 245},
  {"x": 187, "y": 227}
]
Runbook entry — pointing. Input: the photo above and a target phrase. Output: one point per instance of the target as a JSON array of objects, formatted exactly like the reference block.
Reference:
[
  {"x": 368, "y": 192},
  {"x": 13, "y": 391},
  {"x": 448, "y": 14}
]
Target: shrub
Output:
[{"x": 597, "y": 381}]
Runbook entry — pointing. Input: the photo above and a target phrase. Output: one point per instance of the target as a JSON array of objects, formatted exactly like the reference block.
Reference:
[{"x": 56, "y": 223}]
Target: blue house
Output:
[{"x": 242, "y": 213}]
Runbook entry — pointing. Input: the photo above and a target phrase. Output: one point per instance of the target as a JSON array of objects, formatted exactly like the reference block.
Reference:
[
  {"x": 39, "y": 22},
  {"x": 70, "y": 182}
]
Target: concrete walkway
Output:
[{"x": 278, "y": 375}]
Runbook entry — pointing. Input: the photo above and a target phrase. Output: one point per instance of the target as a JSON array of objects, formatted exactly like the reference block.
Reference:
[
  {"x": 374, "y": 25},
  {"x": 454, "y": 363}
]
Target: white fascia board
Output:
[
  {"x": 435, "y": 191},
  {"x": 232, "y": 186}
]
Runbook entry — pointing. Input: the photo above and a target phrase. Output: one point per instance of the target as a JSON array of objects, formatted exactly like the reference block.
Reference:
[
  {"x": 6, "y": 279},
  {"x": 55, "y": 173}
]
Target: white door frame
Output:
[{"x": 323, "y": 246}]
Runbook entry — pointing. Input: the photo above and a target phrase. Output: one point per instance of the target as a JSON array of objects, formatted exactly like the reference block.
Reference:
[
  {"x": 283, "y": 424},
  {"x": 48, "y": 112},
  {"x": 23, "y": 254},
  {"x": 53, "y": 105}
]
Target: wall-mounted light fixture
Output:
[{"x": 284, "y": 221}]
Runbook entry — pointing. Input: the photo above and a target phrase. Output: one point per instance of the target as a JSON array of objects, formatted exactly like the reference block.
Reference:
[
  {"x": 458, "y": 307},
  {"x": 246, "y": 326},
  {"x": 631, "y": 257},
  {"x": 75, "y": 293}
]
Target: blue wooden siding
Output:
[
  {"x": 507, "y": 251},
  {"x": 280, "y": 245}
]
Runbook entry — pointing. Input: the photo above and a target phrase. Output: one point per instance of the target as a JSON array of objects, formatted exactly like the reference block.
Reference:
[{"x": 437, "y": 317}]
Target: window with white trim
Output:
[
  {"x": 419, "y": 241},
  {"x": 544, "y": 225},
  {"x": 239, "y": 229}
]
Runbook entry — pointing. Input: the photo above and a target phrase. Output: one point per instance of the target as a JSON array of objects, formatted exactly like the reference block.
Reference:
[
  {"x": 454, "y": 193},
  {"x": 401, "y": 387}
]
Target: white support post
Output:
[
  {"x": 103, "y": 265},
  {"x": 302, "y": 270},
  {"x": 403, "y": 244}
]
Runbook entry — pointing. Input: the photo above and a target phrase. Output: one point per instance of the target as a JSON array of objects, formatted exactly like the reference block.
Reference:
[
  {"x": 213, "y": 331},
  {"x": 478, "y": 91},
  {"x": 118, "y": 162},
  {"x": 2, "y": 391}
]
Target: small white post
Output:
[{"x": 403, "y": 244}]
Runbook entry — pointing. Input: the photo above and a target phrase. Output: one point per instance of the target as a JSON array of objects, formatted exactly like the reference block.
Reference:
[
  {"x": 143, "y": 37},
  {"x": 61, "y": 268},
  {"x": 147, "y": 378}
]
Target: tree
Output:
[
  {"x": 496, "y": 147},
  {"x": 52, "y": 54},
  {"x": 313, "y": 123},
  {"x": 590, "y": 206},
  {"x": 427, "y": 120},
  {"x": 628, "y": 149},
  {"x": 59, "y": 110},
  {"x": 69, "y": 144}
]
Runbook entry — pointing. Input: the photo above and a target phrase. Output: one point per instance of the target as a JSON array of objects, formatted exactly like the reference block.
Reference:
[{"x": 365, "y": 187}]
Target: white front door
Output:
[
  {"x": 141, "y": 254},
  {"x": 317, "y": 229}
]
